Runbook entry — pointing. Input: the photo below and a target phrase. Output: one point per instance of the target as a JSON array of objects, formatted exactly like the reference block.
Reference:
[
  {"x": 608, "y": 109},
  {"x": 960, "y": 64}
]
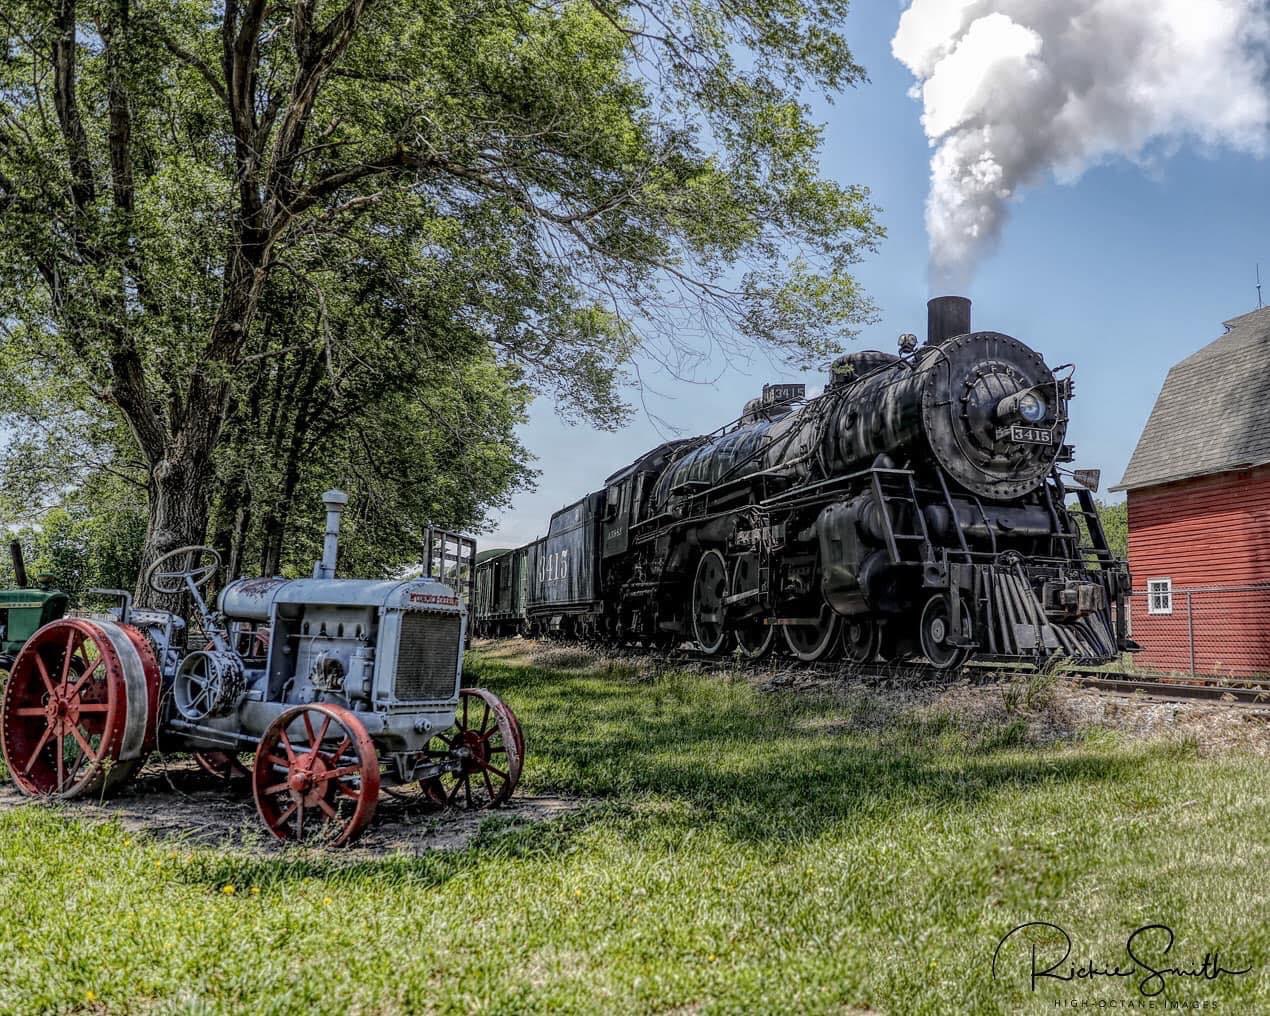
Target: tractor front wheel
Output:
[{"x": 316, "y": 775}]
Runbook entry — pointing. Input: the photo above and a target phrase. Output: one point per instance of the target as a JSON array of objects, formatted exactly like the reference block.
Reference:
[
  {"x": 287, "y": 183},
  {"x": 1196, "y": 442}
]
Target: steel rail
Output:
[{"x": 1252, "y": 694}]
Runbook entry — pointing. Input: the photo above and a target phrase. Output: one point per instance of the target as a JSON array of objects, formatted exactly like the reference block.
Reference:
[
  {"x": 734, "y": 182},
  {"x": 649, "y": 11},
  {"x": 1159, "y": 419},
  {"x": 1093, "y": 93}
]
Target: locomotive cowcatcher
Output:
[{"x": 340, "y": 688}]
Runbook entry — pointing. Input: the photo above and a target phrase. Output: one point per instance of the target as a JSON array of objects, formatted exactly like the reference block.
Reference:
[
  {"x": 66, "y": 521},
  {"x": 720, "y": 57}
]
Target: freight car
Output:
[
  {"x": 919, "y": 507},
  {"x": 501, "y": 581},
  {"x": 338, "y": 686}
]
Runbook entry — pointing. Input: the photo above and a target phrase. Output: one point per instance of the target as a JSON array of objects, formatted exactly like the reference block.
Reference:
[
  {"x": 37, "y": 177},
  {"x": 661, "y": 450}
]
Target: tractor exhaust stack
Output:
[
  {"x": 19, "y": 565},
  {"x": 335, "y": 500}
]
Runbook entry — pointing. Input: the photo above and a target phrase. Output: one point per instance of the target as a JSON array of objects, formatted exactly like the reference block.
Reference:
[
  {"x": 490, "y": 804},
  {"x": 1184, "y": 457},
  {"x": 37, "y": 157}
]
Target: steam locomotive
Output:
[{"x": 918, "y": 507}]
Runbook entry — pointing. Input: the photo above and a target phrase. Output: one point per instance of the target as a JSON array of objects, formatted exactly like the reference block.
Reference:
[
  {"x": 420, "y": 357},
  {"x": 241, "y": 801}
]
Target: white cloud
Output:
[{"x": 1015, "y": 90}]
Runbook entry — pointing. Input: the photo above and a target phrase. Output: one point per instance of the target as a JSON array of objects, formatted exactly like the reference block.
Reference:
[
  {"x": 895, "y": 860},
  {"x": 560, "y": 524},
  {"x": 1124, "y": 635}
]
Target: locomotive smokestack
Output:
[
  {"x": 946, "y": 316},
  {"x": 335, "y": 500},
  {"x": 19, "y": 566}
]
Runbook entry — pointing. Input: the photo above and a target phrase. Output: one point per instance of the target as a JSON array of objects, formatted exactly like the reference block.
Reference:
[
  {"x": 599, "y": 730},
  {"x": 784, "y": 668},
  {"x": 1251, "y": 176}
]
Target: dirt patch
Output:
[
  {"x": 1040, "y": 710},
  {"x": 178, "y": 801},
  {"x": 1214, "y": 727}
]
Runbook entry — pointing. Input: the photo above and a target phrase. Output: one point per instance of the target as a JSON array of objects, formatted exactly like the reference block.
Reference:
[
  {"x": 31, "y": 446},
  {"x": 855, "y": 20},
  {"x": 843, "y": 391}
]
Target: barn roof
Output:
[{"x": 1213, "y": 413}]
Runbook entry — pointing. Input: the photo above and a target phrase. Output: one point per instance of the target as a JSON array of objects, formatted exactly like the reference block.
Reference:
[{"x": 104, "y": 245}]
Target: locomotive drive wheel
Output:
[
  {"x": 933, "y": 632},
  {"x": 860, "y": 639},
  {"x": 812, "y": 642},
  {"x": 79, "y": 708},
  {"x": 709, "y": 589},
  {"x": 316, "y": 775},
  {"x": 754, "y": 637},
  {"x": 487, "y": 736}
]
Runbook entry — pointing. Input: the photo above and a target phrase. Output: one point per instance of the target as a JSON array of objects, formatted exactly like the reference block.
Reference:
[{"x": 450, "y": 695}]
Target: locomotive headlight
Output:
[
  {"x": 1031, "y": 407},
  {"x": 1027, "y": 406}
]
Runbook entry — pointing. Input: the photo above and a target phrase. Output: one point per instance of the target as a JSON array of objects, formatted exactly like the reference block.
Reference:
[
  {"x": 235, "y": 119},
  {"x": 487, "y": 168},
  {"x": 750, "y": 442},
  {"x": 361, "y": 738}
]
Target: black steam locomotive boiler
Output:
[{"x": 916, "y": 508}]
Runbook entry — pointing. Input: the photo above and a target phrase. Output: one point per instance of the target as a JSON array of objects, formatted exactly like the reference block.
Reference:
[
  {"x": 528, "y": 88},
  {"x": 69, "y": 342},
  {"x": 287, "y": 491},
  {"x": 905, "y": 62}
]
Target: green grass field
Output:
[{"x": 738, "y": 851}]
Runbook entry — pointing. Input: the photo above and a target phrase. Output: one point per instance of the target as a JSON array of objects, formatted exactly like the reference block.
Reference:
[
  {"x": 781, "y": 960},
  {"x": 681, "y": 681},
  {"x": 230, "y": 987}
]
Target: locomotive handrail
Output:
[{"x": 961, "y": 536}]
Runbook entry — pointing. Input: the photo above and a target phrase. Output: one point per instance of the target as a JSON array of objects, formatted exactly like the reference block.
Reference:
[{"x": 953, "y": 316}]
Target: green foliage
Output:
[
  {"x": 1115, "y": 524},
  {"x": 212, "y": 210},
  {"x": 82, "y": 546}
]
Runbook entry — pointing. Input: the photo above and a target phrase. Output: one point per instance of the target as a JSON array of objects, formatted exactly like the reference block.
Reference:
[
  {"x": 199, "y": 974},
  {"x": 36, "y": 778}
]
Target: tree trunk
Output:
[
  {"x": 231, "y": 523},
  {"x": 180, "y": 489}
]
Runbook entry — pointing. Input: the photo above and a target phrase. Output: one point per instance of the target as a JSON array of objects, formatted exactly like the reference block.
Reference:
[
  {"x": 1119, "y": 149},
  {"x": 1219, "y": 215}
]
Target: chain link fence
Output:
[{"x": 1221, "y": 631}]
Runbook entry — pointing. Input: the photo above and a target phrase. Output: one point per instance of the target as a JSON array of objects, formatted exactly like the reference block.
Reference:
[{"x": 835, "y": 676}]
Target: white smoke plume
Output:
[{"x": 1017, "y": 90}]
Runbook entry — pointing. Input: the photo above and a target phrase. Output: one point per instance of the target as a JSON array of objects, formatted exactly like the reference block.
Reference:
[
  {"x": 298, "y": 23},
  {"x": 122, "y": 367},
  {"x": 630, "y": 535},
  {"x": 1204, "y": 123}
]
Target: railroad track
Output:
[
  {"x": 1246, "y": 693},
  {"x": 1251, "y": 693}
]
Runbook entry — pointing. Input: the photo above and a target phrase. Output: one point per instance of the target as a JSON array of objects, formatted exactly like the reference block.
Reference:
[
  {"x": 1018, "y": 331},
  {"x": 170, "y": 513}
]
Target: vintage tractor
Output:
[
  {"x": 340, "y": 688},
  {"x": 24, "y": 610}
]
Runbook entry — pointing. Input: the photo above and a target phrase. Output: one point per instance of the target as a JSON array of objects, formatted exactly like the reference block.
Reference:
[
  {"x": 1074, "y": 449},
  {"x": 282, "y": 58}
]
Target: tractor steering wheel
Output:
[{"x": 165, "y": 580}]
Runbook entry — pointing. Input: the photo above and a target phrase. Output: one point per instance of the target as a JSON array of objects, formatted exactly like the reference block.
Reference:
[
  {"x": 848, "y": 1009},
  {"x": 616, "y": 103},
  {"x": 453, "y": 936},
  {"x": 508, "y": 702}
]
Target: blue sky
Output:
[{"x": 1123, "y": 273}]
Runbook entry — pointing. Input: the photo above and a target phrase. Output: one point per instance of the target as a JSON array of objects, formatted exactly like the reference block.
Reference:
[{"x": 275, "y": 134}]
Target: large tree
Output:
[{"x": 635, "y": 171}]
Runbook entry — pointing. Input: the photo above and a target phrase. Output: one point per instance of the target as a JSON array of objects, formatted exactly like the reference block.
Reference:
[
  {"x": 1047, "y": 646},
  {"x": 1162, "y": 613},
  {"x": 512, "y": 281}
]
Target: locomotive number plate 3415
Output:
[{"x": 1031, "y": 435}]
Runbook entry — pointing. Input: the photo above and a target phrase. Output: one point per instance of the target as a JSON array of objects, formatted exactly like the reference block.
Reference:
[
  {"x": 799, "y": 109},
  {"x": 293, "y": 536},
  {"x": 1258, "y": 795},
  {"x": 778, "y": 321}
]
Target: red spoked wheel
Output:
[
  {"x": 79, "y": 708},
  {"x": 316, "y": 775},
  {"x": 487, "y": 737},
  {"x": 224, "y": 765}
]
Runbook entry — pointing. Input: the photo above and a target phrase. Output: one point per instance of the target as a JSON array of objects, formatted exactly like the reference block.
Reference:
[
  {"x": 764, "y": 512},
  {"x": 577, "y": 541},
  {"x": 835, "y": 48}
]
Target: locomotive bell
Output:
[{"x": 946, "y": 316}]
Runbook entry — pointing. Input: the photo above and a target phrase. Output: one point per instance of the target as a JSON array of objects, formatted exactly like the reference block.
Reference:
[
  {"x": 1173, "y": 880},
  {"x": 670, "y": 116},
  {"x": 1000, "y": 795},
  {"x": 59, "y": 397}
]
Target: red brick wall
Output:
[{"x": 1211, "y": 537}]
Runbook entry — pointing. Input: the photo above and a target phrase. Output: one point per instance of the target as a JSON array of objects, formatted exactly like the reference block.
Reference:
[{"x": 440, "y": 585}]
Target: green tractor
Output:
[{"x": 24, "y": 610}]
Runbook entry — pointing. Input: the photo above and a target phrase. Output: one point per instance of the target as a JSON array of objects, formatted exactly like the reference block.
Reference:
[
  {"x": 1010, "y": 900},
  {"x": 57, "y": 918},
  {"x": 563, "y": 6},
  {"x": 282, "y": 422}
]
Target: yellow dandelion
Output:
[
  {"x": 255, "y": 890},
  {"x": 229, "y": 890},
  {"x": 327, "y": 901},
  {"x": 90, "y": 996}
]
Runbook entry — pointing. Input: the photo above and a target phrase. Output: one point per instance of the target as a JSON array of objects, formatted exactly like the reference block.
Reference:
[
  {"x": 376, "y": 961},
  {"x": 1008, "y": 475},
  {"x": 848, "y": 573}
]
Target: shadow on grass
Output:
[
  {"x": 772, "y": 766},
  {"x": 680, "y": 751},
  {"x": 498, "y": 839}
]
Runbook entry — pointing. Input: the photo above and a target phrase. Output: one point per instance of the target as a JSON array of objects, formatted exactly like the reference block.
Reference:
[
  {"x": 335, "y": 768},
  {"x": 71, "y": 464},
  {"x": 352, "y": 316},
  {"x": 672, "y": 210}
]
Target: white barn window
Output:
[{"x": 1159, "y": 596}]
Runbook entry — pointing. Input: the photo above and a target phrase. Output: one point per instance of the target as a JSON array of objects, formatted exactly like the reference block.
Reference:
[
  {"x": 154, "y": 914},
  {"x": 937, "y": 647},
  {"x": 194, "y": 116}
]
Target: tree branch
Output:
[
  {"x": 196, "y": 62},
  {"x": 83, "y": 186}
]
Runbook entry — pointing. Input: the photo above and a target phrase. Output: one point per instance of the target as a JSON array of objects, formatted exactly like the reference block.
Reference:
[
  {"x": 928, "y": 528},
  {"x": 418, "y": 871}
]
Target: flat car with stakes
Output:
[{"x": 341, "y": 688}]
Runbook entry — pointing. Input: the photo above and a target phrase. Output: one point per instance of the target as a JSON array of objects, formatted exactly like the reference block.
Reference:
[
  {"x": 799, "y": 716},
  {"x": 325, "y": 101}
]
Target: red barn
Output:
[{"x": 1199, "y": 511}]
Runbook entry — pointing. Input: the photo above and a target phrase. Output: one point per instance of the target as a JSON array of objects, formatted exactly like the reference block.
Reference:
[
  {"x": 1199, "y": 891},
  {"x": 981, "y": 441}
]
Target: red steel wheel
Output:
[
  {"x": 78, "y": 714},
  {"x": 316, "y": 776},
  {"x": 224, "y": 765},
  {"x": 487, "y": 735}
]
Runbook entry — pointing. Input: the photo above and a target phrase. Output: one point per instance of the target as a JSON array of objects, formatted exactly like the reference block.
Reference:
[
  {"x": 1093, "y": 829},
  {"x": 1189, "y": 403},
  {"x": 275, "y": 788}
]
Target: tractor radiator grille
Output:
[{"x": 427, "y": 657}]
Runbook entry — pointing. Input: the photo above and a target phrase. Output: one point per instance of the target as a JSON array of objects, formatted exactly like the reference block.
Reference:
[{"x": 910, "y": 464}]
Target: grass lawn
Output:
[{"x": 740, "y": 851}]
